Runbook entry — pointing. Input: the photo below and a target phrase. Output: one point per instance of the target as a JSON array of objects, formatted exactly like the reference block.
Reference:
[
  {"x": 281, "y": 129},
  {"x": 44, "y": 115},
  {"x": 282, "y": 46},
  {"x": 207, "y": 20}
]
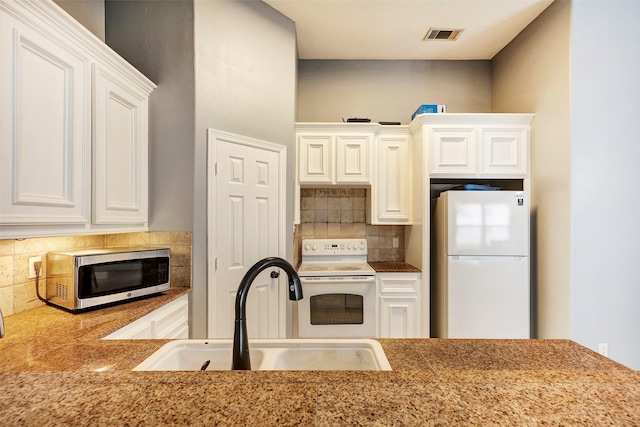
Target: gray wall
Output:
[
  {"x": 584, "y": 167},
  {"x": 212, "y": 71},
  {"x": 605, "y": 90},
  {"x": 158, "y": 39},
  {"x": 245, "y": 84},
  {"x": 389, "y": 90}
]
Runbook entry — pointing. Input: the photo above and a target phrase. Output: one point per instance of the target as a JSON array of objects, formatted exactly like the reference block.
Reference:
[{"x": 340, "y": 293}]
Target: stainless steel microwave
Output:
[{"x": 82, "y": 279}]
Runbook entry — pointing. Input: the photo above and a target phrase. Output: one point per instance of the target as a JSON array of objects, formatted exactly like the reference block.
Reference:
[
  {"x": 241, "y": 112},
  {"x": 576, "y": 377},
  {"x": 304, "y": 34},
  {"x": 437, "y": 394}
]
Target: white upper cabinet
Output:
[
  {"x": 120, "y": 175},
  {"x": 390, "y": 195},
  {"x": 453, "y": 150},
  {"x": 353, "y": 158},
  {"x": 476, "y": 145},
  {"x": 334, "y": 153},
  {"x": 504, "y": 151},
  {"x": 45, "y": 127},
  {"x": 73, "y": 127},
  {"x": 314, "y": 158}
]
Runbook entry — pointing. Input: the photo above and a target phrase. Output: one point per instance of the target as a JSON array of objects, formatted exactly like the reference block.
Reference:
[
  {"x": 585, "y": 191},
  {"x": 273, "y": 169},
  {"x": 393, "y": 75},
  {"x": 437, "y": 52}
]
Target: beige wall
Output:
[
  {"x": 532, "y": 75},
  {"x": 90, "y": 13},
  {"x": 389, "y": 90},
  {"x": 18, "y": 292}
]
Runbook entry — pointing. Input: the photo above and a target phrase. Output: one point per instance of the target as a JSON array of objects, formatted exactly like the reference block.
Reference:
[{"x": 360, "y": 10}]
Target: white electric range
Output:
[{"x": 339, "y": 289}]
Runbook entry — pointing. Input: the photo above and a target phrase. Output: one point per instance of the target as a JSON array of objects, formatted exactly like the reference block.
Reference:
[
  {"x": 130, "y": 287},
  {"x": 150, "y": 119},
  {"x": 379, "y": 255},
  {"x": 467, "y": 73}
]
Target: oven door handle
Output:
[{"x": 337, "y": 280}]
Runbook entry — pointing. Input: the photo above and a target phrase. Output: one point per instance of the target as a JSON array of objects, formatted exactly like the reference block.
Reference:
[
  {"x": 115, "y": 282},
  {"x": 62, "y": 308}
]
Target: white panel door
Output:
[
  {"x": 247, "y": 229},
  {"x": 44, "y": 128},
  {"x": 488, "y": 297}
]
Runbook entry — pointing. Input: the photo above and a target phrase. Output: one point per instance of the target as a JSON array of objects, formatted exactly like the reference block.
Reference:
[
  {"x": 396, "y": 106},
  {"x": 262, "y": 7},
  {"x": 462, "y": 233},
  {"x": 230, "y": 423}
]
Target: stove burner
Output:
[{"x": 315, "y": 268}]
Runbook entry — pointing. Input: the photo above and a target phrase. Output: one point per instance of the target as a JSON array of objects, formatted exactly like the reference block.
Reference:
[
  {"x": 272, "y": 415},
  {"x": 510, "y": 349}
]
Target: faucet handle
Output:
[
  {"x": 275, "y": 274},
  {"x": 295, "y": 289}
]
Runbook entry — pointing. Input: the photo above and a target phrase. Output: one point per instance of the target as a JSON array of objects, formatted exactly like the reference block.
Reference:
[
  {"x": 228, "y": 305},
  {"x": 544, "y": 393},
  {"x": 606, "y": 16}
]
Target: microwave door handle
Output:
[{"x": 94, "y": 281}]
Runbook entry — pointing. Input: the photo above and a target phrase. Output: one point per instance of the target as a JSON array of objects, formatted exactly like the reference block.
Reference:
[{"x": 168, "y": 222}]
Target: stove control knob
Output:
[
  {"x": 361, "y": 245},
  {"x": 314, "y": 247},
  {"x": 349, "y": 246},
  {"x": 306, "y": 248}
]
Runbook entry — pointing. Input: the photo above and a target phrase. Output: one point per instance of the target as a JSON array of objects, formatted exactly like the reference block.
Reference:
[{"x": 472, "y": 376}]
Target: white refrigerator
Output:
[{"x": 481, "y": 267}]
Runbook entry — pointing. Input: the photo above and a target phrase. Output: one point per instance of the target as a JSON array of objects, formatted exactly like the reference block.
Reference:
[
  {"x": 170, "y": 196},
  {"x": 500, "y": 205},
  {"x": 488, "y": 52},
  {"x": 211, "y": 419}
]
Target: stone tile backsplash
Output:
[
  {"x": 341, "y": 213},
  {"x": 18, "y": 292}
]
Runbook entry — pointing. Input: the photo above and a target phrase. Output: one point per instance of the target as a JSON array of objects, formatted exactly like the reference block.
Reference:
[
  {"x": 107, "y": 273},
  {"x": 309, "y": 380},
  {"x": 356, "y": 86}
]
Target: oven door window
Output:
[{"x": 337, "y": 309}]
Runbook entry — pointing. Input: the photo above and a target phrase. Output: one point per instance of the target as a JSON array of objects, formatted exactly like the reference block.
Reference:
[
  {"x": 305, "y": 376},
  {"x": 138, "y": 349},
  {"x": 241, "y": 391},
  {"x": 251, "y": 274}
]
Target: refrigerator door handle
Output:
[{"x": 487, "y": 258}]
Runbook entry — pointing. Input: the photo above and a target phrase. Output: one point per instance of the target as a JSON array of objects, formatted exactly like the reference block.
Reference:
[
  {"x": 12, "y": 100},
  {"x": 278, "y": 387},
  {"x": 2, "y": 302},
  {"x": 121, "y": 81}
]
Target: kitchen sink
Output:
[{"x": 270, "y": 355}]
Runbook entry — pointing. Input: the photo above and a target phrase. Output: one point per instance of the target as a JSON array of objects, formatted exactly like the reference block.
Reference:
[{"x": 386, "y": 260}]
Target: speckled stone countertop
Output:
[
  {"x": 393, "y": 267},
  {"x": 54, "y": 371}
]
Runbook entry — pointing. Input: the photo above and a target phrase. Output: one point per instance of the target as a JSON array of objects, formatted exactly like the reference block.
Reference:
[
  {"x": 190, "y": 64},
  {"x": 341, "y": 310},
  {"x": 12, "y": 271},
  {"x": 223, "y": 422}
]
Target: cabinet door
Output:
[
  {"x": 399, "y": 307},
  {"x": 44, "y": 127},
  {"x": 314, "y": 158},
  {"x": 453, "y": 151},
  {"x": 120, "y": 175},
  {"x": 504, "y": 152},
  {"x": 398, "y": 316},
  {"x": 353, "y": 158},
  {"x": 170, "y": 321},
  {"x": 392, "y": 202},
  {"x": 141, "y": 329}
]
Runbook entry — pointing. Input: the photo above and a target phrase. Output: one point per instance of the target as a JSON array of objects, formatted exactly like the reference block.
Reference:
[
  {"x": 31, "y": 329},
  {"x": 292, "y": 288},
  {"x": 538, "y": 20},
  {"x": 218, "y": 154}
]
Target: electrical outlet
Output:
[
  {"x": 603, "y": 348},
  {"x": 396, "y": 242},
  {"x": 32, "y": 270}
]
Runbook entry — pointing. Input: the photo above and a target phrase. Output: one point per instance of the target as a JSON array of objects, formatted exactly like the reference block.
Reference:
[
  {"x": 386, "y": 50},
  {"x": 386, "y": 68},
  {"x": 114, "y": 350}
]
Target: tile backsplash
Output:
[
  {"x": 340, "y": 212},
  {"x": 18, "y": 292}
]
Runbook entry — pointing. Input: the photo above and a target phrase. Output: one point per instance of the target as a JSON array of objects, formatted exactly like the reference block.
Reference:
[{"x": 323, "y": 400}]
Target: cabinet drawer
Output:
[
  {"x": 175, "y": 319},
  {"x": 138, "y": 330},
  {"x": 400, "y": 284},
  {"x": 169, "y": 321}
]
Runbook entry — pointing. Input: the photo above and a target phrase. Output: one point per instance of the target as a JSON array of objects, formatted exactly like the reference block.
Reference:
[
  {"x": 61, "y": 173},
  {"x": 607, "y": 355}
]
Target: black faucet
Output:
[{"x": 241, "y": 359}]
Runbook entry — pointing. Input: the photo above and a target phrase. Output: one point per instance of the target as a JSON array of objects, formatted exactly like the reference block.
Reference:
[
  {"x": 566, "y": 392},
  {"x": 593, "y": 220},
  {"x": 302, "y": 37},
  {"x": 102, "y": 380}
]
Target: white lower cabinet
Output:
[
  {"x": 170, "y": 321},
  {"x": 399, "y": 305}
]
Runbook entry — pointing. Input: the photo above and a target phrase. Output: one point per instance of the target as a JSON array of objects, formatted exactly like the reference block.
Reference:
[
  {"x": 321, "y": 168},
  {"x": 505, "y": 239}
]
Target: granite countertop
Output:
[
  {"x": 55, "y": 371},
  {"x": 393, "y": 267}
]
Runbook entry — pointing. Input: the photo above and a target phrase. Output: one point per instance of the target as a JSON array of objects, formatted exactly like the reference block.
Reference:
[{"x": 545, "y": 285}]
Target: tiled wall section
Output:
[
  {"x": 18, "y": 292},
  {"x": 340, "y": 213}
]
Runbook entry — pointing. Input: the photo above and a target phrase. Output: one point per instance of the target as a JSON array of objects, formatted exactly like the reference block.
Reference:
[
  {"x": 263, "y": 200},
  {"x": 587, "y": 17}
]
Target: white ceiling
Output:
[{"x": 394, "y": 29}]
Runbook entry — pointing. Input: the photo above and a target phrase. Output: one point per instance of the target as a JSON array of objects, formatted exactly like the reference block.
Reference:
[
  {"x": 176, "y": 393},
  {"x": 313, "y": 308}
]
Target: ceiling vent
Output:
[{"x": 450, "y": 34}]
